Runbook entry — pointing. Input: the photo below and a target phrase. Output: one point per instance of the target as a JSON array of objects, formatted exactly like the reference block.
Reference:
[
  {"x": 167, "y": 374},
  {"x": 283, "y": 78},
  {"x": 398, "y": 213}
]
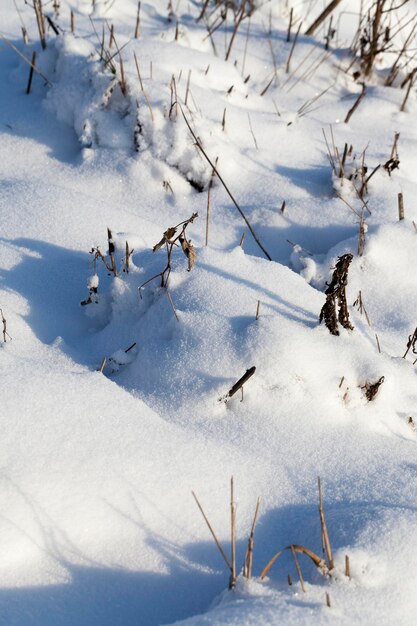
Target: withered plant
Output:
[
  {"x": 361, "y": 308},
  {"x": 215, "y": 14},
  {"x": 170, "y": 239},
  {"x": 379, "y": 27},
  {"x": 4, "y": 322},
  {"x": 336, "y": 296},
  {"x": 371, "y": 389},
  {"x": 109, "y": 263},
  {"x": 411, "y": 344},
  {"x": 231, "y": 563},
  {"x": 325, "y": 564}
]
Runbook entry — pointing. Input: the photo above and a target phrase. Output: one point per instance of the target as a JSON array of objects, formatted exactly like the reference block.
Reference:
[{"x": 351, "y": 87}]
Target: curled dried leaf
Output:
[
  {"x": 318, "y": 562},
  {"x": 189, "y": 251},
  {"x": 168, "y": 234}
]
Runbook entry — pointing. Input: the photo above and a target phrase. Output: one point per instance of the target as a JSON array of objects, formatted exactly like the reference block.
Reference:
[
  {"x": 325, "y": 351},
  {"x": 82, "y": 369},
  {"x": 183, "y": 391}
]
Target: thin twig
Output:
[
  {"x": 324, "y": 529},
  {"x": 200, "y": 147},
  {"x": 217, "y": 542},
  {"x": 300, "y": 576},
  {"x": 9, "y": 43}
]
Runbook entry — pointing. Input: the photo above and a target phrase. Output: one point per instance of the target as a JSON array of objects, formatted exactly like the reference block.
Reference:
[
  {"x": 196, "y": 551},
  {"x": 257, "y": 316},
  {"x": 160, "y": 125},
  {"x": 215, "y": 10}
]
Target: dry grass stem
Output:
[
  {"x": 400, "y": 206},
  {"x": 40, "y": 20},
  {"x": 32, "y": 65},
  {"x": 247, "y": 565},
  {"x": 252, "y": 133},
  {"x": 224, "y": 120},
  {"x": 294, "y": 43},
  {"x": 187, "y": 89},
  {"x": 322, "y": 17},
  {"x": 200, "y": 147},
  {"x": 325, "y": 534},
  {"x": 210, "y": 185},
  {"x": 213, "y": 534},
  {"x": 142, "y": 88},
  {"x": 9, "y": 43},
  {"x": 297, "y": 566},
  {"x": 356, "y": 103},
  {"x": 232, "y": 581},
  {"x": 347, "y": 566},
  {"x": 102, "y": 365},
  {"x": 361, "y": 308},
  {"x": 290, "y": 25},
  {"x": 137, "y": 22}
]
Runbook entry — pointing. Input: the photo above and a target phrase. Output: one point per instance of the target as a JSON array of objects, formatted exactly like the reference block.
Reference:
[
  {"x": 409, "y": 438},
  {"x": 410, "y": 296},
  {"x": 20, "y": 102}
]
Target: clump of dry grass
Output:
[
  {"x": 231, "y": 562},
  {"x": 324, "y": 564}
]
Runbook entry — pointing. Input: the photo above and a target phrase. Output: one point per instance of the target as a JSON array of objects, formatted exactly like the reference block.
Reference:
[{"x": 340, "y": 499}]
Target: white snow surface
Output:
[{"x": 98, "y": 526}]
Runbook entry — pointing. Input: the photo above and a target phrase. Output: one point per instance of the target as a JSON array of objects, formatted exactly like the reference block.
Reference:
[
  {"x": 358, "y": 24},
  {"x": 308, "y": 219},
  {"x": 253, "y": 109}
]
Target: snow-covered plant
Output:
[{"x": 110, "y": 264}]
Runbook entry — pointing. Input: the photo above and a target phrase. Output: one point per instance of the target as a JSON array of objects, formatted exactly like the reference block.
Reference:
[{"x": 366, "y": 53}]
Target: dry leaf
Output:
[
  {"x": 189, "y": 251},
  {"x": 318, "y": 562},
  {"x": 167, "y": 236}
]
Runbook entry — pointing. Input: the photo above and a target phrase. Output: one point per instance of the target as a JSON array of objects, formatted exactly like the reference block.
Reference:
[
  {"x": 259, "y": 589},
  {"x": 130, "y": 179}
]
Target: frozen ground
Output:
[{"x": 98, "y": 526}]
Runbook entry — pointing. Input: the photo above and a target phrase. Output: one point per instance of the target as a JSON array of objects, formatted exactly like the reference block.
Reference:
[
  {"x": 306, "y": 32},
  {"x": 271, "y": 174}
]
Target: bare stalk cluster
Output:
[
  {"x": 109, "y": 262},
  {"x": 171, "y": 239},
  {"x": 231, "y": 562},
  {"x": 216, "y": 13}
]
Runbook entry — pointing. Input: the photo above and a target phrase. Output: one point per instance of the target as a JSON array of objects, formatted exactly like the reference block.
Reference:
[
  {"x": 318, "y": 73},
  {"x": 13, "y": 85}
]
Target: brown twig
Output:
[
  {"x": 323, "y": 15},
  {"x": 239, "y": 384},
  {"x": 356, "y": 104},
  {"x": 9, "y": 43},
  {"x": 32, "y": 65}
]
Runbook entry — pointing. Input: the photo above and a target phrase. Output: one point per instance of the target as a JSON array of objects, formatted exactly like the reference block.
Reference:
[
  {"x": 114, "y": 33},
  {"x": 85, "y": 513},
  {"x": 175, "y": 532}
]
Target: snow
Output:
[{"x": 98, "y": 525}]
